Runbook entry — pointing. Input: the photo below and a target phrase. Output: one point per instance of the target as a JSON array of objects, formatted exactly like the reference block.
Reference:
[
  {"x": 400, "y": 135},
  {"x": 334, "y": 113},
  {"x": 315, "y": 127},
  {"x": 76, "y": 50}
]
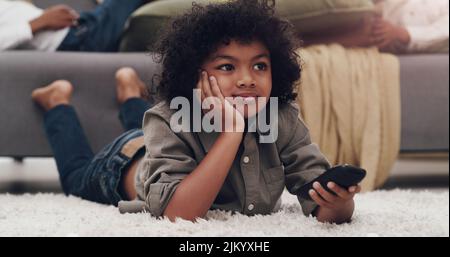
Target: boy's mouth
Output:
[
  {"x": 245, "y": 95},
  {"x": 247, "y": 98}
]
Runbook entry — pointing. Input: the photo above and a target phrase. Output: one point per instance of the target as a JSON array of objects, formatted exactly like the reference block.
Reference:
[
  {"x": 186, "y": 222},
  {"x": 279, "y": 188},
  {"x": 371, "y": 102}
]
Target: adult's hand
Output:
[
  {"x": 386, "y": 35},
  {"x": 54, "y": 18}
]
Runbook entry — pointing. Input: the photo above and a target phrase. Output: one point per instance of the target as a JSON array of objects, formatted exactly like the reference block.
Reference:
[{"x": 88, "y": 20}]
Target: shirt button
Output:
[
  {"x": 246, "y": 159},
  {"x": 251, "y": 207}
]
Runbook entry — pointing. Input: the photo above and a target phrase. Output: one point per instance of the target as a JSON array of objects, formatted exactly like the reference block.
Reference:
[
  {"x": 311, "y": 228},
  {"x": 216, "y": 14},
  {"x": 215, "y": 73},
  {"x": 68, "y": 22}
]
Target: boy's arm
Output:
[
  {"x": 302, "y": 160},
  {"x": 196, "y": 193},
  {"x": 303, "y": 163}
]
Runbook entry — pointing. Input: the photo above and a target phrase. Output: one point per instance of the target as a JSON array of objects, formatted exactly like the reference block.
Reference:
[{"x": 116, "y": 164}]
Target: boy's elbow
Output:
[{"x": 173, "y": 215}]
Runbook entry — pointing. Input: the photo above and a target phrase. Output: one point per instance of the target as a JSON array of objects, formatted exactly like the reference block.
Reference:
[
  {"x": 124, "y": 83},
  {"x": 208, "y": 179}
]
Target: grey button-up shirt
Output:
[{"x": 257, "y": 177}]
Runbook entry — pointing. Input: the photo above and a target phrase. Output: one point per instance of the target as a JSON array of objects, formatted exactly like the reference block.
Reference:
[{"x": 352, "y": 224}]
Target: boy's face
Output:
[{"x": 242, "y": 70}]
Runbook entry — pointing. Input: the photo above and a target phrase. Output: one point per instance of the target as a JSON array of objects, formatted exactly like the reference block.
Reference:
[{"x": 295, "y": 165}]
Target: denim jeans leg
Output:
[
  {"x": 132, "y": 112},
  {"x": 100, "y": 30},
  {"x": 70, "y": 146}
]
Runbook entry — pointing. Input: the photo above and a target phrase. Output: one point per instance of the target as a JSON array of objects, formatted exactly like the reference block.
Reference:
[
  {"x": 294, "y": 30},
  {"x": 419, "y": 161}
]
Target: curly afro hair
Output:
[{"x": 192, "y": 37}]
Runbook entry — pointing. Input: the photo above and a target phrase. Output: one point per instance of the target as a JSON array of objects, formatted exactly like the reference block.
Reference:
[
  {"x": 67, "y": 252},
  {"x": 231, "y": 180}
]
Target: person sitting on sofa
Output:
[
  {"x": 60, "y": 28},
  {"x": 400, "y": 26},
  {"x": 411, "y": 26}
]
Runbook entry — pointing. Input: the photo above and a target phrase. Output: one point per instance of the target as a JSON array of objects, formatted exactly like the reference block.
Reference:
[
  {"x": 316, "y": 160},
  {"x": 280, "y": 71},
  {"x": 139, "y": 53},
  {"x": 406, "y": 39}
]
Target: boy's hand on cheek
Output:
[
  {"x": 337, "y": 207},
  {"x": 211, "y": 93}
]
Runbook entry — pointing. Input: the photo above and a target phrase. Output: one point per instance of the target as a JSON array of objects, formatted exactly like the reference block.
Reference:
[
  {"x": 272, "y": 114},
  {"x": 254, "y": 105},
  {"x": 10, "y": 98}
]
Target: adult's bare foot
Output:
[
  {"x": 57, "y": 93},
  {"x": 129, "y": 85}
]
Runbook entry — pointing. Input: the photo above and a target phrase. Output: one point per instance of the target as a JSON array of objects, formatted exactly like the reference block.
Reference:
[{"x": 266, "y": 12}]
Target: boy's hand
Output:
[
  {"x": 334, "y": 208},
  {"x": 210, "y": 91},
  {"x": 54, "y": 18}
]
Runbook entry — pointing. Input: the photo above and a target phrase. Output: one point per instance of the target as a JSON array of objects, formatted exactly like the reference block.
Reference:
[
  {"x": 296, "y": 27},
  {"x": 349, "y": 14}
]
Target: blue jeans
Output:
[
  {"x": 83, "y": 174},
  {"x": 100, "y": 30}
]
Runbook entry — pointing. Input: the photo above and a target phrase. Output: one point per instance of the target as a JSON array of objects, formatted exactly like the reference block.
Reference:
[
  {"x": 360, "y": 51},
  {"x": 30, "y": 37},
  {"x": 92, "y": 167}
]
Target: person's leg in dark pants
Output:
[
  {"x": 100, "y": 30},
  {"x": 70, "y": 147},
  {"x": 66, "y": 137},
  {"x": 131, "y": 95},
  {"x": 92, "y": 177}
]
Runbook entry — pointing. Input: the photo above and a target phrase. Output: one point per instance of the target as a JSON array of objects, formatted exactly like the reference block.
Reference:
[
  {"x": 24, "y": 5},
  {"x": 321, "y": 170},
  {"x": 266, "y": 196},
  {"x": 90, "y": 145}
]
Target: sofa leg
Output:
[{"x": 18, "y": 159}]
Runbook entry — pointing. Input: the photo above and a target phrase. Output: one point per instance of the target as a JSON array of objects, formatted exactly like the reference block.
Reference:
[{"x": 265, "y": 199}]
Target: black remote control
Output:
[{"x": 343, "y": 175}]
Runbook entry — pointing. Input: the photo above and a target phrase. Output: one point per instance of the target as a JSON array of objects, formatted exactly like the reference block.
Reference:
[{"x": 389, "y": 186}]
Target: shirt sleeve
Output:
[
  {"x": 430, "y": 38},
  {"x": 14, "y": 34},
  {"x": 302, "y": 159},
  {"x": 167, "y": 162}
]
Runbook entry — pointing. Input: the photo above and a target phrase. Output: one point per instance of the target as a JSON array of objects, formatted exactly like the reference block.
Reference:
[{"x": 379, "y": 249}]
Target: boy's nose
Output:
[{"x": 246, "y": 82}]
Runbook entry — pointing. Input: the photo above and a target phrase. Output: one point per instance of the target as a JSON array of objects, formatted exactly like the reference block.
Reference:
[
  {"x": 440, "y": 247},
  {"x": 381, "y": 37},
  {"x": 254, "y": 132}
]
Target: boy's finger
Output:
[
  {"x": 355, "y": 189},
  {"x": 202, "y": 94},
  {"x": 199, "y": 87},
  {"x": 316, "y": 197},
  {"x": 215, "y": 88},
  {"x": 200, "y": 82},
  {"x": 341, "y": 192},
  {"x": 327, "y": 196},
  {"x": 206, "y": 85}
]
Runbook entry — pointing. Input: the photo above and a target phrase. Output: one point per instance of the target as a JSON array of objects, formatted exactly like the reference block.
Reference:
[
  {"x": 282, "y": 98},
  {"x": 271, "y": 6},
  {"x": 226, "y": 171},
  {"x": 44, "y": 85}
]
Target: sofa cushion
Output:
[
  {"x": 318, "y": 15},
  {"x": 146, "y": 24},
  {"x": 79, "y": 5}
]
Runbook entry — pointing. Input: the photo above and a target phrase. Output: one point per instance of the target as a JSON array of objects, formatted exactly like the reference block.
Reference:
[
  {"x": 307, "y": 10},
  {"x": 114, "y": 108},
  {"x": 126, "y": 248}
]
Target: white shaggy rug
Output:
[{"x": 381, "y": 213}]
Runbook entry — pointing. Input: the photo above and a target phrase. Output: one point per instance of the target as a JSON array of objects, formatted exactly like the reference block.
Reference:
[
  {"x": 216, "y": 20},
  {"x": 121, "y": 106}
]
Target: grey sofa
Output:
[
  {"x": 92, "y": 74},
  {"x": 424, "y": 92},
  {"x": 424, "y": 83}
]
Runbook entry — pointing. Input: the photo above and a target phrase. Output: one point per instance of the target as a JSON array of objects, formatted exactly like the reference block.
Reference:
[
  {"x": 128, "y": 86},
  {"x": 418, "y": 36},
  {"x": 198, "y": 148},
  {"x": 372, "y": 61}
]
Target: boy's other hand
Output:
[
  {"x": 334, "y": 208},
  {"x": 54, "y": 18}
]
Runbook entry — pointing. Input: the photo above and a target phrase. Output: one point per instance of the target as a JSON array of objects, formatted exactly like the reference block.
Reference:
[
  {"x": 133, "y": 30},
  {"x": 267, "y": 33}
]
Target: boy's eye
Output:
[
  {"x": 260, "y": 66},
  {"x": 226, "y": 67}
]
